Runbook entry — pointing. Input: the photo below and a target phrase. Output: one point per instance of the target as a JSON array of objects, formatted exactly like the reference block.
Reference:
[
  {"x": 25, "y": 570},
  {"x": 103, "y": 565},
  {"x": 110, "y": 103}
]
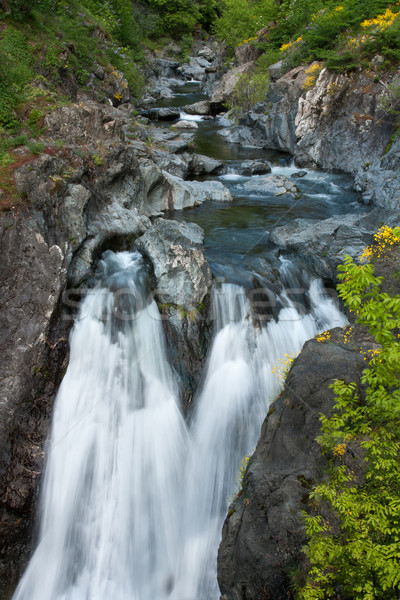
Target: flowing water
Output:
[{"x": 134, "y": 496}]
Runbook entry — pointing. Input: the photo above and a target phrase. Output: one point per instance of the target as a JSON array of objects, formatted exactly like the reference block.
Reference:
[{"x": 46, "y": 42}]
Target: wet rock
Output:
[
  {"x": 184, "y": 194},
  {"x": 204, "y": 165},
  {"x": 299, "y": 174},
  {"x": 182, "y": 284},
  {"x": 161, "y": 114},
  {"x": 324, "y": 244},
  {"x": 264, "y": 531},
  {"x": 277, "y": 185},
  {"x": 181, "y": 271},
  {"x": 198, "y": 108},
  {"x": 185, "y": 125},
  {"x": 255, "y": 167}
]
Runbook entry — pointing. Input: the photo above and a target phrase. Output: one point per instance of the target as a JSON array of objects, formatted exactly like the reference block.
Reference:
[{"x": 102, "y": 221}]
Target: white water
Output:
[{"x": 133, "y": 498}]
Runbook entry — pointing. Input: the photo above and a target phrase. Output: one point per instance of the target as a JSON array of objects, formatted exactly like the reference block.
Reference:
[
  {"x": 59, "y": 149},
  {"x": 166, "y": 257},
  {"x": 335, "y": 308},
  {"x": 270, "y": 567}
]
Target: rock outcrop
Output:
[
  {"x": 333, "y": 121},
  {"x": 182, "y": 285},
  {"x": 324, "y": 244}
]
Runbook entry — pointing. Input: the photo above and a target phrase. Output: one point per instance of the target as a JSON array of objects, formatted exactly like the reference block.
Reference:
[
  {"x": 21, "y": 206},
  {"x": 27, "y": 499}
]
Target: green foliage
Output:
[
  {"x": 356, "y": 549},
  {"x": 15, "y": 72},
  {"x": 241, "y": 19},
  {"x": 250, "y": 89}
]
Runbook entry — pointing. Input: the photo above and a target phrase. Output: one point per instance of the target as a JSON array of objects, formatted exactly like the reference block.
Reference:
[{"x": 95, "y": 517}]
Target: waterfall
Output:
[
  {"x": 111, "y": 494},
  {"x": 133, "y": 497}
]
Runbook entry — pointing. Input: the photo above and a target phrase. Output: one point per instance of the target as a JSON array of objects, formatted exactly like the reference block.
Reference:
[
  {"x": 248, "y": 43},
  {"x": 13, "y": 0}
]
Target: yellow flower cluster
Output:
[
  {"x": 384, "y": 238},
  {"x": 381, "y": 22},
  {"x": 281, "y": 369},
  {"x": 339, "y": 450},
  {"x": 370, "y": 354},
  {"x": 312, "y": 73},
  {"x": 286, "y": 47},
  {"x": 347, "y": 334},
  {"x": 357, "y": 41},
  {"x": 324, "y": 337},
  {"x": 247, "y": 41}
]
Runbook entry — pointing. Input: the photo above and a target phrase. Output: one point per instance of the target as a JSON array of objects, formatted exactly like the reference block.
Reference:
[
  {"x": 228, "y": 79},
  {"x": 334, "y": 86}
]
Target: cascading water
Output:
[
  {"x": 133, "y": 498},
  {"x": 111, "y": 500}
]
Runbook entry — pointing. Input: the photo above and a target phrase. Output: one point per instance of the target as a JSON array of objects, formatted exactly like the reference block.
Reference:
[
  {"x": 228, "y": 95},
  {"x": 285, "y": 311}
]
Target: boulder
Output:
[
  {"x": 198, "y": 108},
  {"x": 161, "y": 114},
  {"x": 184, "y": 194},
  {"x": 185, "y": 125},
  {"x": 277, "y": 185},
  {"x": 276, "y": 71},
  {"x": 182, "y": 285},
  {"x": 204, "y": 165},
  {"x": 254, "y": 167},
  {"x": 181, "y": 271}
]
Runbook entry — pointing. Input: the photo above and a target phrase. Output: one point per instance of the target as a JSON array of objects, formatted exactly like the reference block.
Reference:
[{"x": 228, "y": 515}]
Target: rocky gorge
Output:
[{"x": 119, "y": 179}]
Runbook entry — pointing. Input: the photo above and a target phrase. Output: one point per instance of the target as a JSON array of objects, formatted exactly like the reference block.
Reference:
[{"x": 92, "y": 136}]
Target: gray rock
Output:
[
  {"x": 182, "y": 284},
  {"x": 161, "y": 114},
  {"x": 204, "y": 165},
  {"x": 184, "y": 194},
  {"x": 299, "y": 174},
  {"x": 182, "y": 274},
  {"x": 380, "y": 187},
  {"x": 198, "y": 108},
  {"x": 175, "y": 164},
  {"x": 206, "y": 53},
  {"x": 264, "y": 531},
  {"x": 342, "y": 134},
  {"x": 185, "y": 125},
  {"x": 277, "y": 185},
  {"x": 224, "y": 90},
  {"x": 324, "y": 244},
  {"x": 276, "y": 71},
  {"x": 254, "y": 167},
  {"x": 166, "y": 68}
]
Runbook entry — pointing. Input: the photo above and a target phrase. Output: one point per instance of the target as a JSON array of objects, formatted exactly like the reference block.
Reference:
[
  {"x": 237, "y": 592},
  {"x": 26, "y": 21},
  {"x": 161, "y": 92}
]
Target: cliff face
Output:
[{"x": 336, "y": 121}]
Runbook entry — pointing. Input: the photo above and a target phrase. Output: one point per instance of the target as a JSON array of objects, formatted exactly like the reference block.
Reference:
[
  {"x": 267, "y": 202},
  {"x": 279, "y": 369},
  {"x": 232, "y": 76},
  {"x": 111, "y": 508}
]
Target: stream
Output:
[{"x": 134, "y": 496}]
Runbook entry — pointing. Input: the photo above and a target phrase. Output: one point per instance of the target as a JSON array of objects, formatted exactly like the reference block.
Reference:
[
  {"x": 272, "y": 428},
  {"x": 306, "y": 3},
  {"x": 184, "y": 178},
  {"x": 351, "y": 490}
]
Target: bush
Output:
[
  {"x": 250, "y": 89},
  {"x": 241, "y": 19},
  {"x": 356, "y": 549}
]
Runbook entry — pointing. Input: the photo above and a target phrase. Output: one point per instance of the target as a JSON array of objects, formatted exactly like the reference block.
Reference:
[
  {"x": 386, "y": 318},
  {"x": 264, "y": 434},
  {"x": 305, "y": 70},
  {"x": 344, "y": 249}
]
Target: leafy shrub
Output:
[
  {"x": 241, "y": 19},
  {"x": 250, "y": 89},
  {"x": 15, "y": 72},
  {"x": 357, "y": 548}
]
